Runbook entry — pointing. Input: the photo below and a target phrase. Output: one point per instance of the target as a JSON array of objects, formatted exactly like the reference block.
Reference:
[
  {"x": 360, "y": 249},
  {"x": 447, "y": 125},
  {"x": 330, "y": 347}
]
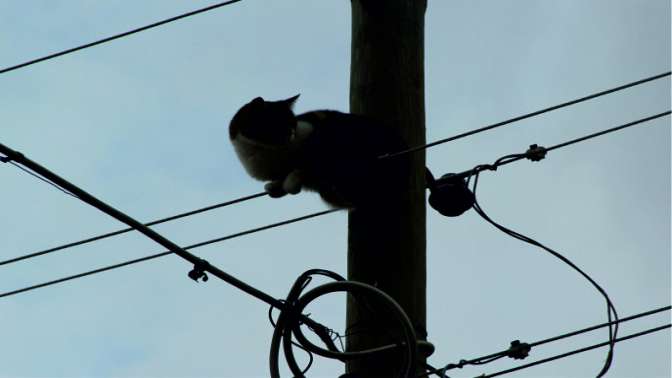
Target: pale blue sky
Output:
[{"x": 141, "y": 123}]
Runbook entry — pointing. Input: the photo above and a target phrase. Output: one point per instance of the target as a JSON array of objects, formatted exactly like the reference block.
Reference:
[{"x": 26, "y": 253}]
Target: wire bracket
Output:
[
  {"x": 518, "y": 350},
  {"x": 198, "y": 273},
  {"x": 536, "y": 153}
]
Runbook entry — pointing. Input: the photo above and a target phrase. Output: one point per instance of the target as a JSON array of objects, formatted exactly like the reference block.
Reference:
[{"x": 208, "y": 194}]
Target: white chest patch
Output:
[{"x": 270, "y": 162}]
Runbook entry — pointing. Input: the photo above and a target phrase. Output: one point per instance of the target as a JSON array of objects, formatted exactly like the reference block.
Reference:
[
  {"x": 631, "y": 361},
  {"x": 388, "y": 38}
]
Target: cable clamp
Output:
[
  {"x": 458, "y": 365},
  {"x": 536, "y": 153},
  {"x": 518, "y": 350},
  {"x": 198, "y": 273}
]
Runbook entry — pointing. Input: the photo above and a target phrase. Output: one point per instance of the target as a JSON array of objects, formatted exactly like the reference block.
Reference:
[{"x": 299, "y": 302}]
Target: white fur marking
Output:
[
  {"x": 293, "y": 182},
  {"x": 303, "y": 131}
]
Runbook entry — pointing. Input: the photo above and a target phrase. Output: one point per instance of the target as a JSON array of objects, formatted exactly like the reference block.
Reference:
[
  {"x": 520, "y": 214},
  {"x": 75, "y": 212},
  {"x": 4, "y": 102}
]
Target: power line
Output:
[
  {"x": 529, "y": 115},
  {"x": 576, "y": 351},
  {"x": 165, "y": 253},
  {"x": 592, "y": 328},
  {"x": 534, "y": 151},
  {"x": 500, "y": 162},
  {"x": 201, "y": 266},
  {"x": 502, "y": 123},
  {"x": 130, "y": 262},
  {"x": 611, "y": 309},
  {"x": 505, "y": 353},
  {"x": 125, "y": 230},
  {"x": 117, "y": 36}
]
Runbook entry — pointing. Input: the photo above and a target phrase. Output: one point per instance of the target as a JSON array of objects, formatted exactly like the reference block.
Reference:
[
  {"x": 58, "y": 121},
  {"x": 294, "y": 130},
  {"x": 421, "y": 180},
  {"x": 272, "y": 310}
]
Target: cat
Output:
[{"x": 333, "y": 153}]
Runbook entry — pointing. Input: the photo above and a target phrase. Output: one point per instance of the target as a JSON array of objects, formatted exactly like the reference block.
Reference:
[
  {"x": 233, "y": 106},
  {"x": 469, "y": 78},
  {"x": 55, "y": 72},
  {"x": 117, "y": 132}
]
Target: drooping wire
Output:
[
  {"x": 165, "y": 253},
  {"x": 506, "y": 352},
  {"x": 577, "y": 351},
  {"x": 528, "y": 115},
  {"x": 611, "y": 310},
  {"x": 536, "y": 153},
  {"x": 125, "y": 230},
  {"x": 116, "y": 36}
]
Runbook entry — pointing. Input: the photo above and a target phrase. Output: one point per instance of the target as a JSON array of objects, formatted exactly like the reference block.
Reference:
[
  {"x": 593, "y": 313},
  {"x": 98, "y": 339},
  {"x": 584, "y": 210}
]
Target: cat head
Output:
[{"x": 271, "y": 122}]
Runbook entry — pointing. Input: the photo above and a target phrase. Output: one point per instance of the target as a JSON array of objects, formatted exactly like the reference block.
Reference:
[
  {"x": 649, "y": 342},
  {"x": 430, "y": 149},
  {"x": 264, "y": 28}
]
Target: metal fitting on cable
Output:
[
  {"x": 536, "y": 153},
  {"x": 518, "y": 350},
  {"x": 198, "y": 273}
]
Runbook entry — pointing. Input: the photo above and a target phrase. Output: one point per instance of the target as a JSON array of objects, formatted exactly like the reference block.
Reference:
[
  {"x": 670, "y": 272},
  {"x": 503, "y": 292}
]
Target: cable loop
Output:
[{"x": 288, "y": 325}]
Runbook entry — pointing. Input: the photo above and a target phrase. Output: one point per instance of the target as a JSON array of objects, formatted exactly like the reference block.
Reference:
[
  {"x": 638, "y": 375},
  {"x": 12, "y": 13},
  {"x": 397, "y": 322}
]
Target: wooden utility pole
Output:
[{"x": 386, "y": 243}]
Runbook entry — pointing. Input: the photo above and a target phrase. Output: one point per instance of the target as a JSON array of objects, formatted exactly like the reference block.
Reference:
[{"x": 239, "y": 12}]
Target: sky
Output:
[{"x": 141, "y": 123}]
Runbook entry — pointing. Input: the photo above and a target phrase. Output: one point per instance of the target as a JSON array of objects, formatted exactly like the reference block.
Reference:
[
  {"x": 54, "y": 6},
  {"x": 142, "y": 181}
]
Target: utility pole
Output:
[{"x": 386, "y": 243}]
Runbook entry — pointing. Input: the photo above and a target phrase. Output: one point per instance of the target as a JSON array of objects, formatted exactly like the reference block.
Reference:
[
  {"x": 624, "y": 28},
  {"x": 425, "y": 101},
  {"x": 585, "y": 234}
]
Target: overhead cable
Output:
[
  {"x": 116, "y": 36},
  {"x": 130, "y": 262},
  {"x": 165, "y": 253},
  {"x": 201, "y": 266},
  {"x": 125, "y": 230},
  {"x": 536, "y": 150},
  {"x": 529, "y": 115},
  {"x": 576, "y": 351},
  {"x": 505, "y": 353},
  {"x": 535, "y": 153}
]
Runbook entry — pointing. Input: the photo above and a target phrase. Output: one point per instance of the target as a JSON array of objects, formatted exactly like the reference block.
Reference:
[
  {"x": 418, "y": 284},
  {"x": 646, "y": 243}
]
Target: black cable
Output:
[
  {"x": 592, "y": 328},
  {"x": 613, "y": 329},
  {"x": 310, "y": 355},
  {"x": 130, "y": 262},
  {"x": 116, "y": 36},
  {"x": 537, "y": 153},
  {"x": 288, "y": 325},
  {"x": 633, "y": 123},
  {"x": 166, "y": 253},
  {"x": 528, "y": 115},
  {"x": 503, "y": 353},
  {"x": 125, "y": 230},
  {"x": 201, "y": 266},
  {"x": 118, "y": 232},
  {"x": 576, "y": 351},
  {"x": 512, "y": 158},
  {"x": 530, "y": 153}
]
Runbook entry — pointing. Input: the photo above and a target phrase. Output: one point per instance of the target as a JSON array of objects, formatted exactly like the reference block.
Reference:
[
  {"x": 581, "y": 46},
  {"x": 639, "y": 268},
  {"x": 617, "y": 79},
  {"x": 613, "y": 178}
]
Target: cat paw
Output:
[
  {"x": 275, "y": 189},
  {"x": 293, "y": 183}
]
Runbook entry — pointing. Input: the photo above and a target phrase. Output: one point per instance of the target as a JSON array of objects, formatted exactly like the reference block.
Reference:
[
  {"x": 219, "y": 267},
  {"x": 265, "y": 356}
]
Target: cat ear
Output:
[{"x": 290, "y": 101}]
